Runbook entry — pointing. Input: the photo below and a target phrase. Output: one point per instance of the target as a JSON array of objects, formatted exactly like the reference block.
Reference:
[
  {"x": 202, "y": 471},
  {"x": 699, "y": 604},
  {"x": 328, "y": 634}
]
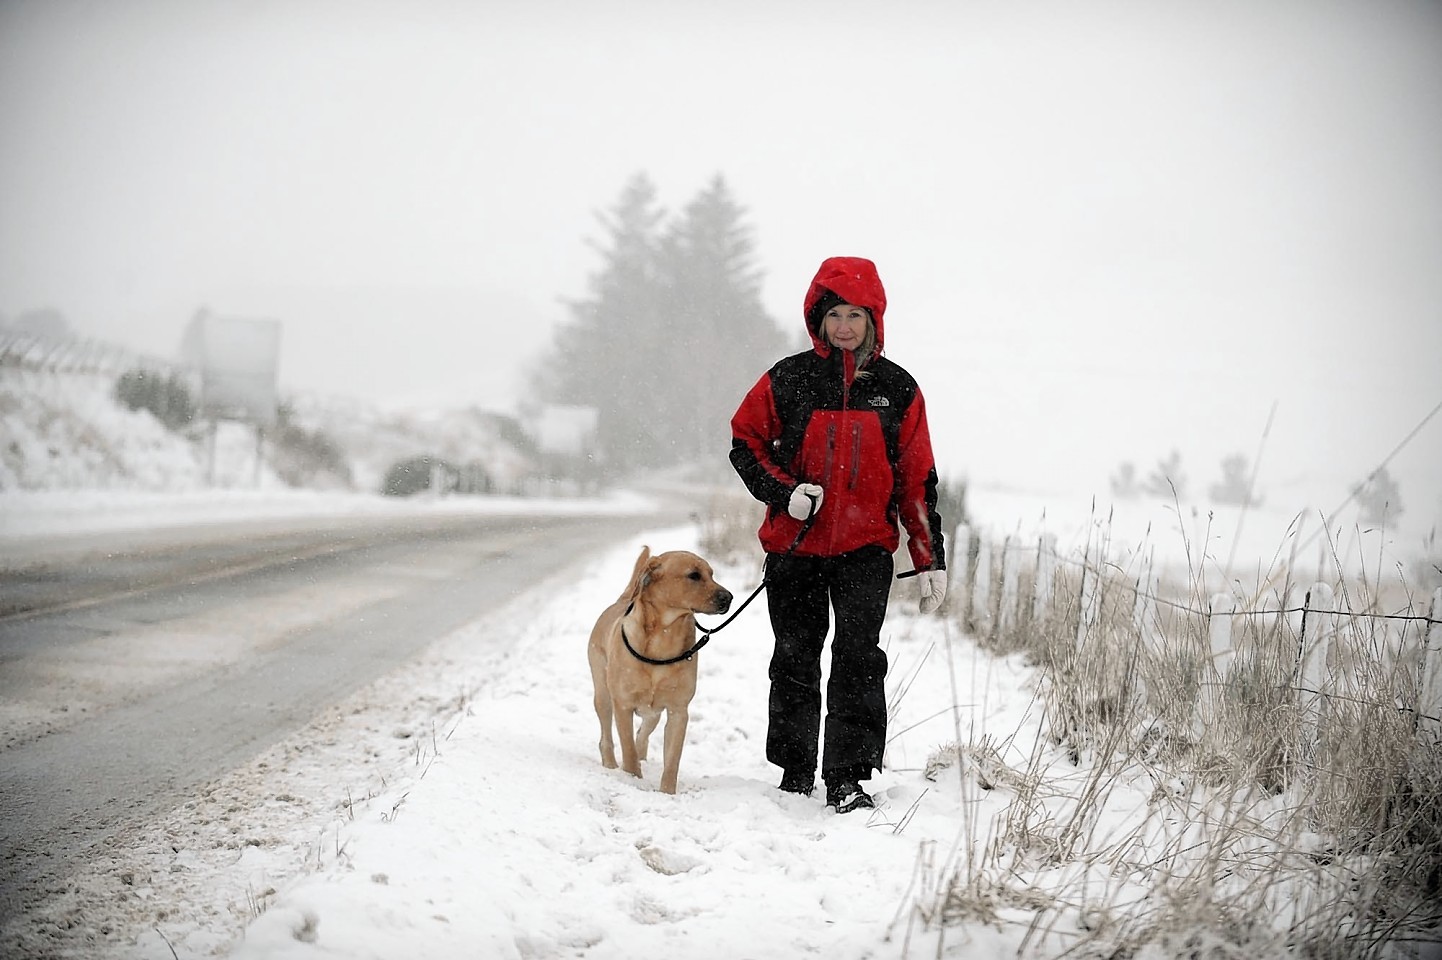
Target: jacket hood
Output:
[{"x": 854, "y": 280}]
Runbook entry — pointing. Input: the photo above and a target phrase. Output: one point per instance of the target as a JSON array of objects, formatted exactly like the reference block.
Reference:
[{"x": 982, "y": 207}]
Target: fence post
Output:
[
  {"x": 1007, "y": 593},
  {"x": 960, "y": 564},
  {"x": 1207, "y": 717},
  {"x": 1313, "y": 644},
  {"x": 1042, "y": 586},
  {"x": 1219, "y": 631},
  {"x": 1429, "y": 700},
  {"x": 980, "y": 613}
]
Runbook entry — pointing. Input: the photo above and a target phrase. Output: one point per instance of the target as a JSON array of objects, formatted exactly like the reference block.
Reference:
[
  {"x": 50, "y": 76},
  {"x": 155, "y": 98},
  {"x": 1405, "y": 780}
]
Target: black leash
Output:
[{"x": 708, "y": 631}]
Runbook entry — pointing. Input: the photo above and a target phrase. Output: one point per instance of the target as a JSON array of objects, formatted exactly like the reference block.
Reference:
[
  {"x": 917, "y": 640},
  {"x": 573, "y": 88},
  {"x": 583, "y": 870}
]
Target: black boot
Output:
[
  {"x": 846, "y": 795},
  {"x": 799, "y": 781}
]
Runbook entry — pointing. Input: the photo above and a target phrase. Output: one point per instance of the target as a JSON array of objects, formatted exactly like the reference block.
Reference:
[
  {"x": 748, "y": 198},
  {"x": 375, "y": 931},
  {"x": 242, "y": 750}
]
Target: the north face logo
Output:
[{"x": 880, "y": 401}]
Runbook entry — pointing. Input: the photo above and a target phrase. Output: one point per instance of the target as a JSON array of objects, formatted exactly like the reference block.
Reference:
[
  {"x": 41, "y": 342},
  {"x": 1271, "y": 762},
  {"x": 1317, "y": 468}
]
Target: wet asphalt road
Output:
[{"x": 123, "y": 630}]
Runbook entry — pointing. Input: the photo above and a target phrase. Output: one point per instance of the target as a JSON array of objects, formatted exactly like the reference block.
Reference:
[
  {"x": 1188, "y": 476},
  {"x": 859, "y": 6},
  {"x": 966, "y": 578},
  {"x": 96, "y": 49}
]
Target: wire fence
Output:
[
  {"x": 40, "y": 354},
  {"x": 1257, "y": 608},
  {"x": 1009, "y": 592}
]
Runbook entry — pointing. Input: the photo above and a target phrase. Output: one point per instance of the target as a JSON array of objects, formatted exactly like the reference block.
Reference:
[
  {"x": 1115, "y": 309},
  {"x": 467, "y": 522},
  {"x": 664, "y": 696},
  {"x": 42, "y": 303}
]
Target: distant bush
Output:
[
  {"x": 1235, "y": 487},
  {"x": 167, "y": 397},
  {"x": 1124, "y": 482},
  {"x": 1166, "y": 481},
  {"x": 1379, "y": 499},
  {"x": 307, "y": 458},
  {"x": 413, "y": 475}
]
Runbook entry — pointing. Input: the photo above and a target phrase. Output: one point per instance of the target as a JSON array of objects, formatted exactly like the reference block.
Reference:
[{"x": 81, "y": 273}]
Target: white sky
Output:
[{"x": 1107, "y": 229}]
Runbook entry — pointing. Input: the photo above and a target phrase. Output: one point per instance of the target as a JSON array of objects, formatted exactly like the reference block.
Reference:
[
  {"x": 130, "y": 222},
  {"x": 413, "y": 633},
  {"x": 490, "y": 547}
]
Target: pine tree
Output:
[
  {"x": 721, "y": 338},
  {"x": 671, "y": 335},
  {"x": 595, "y": 359}
]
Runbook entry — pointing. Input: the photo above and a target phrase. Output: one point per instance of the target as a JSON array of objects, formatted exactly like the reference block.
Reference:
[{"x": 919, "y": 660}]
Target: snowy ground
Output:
[
  {"x": 508, "y": 839},
  {"x": 457, "y": 808}
]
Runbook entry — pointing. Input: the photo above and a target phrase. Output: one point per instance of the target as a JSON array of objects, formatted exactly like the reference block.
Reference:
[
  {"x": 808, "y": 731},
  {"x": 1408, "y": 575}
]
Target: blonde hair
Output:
[{"x": 866, "y": 352}]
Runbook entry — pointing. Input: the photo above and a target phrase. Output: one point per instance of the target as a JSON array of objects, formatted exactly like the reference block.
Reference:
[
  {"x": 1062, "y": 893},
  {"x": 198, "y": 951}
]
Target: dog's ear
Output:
[
  {"x": 633, "y": 589},
  {"x": 648, "y": 574}
]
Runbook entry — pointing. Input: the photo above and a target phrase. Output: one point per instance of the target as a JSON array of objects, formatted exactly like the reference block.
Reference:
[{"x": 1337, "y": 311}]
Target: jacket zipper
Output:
[
  {"x": 855, "y": 454},
  {"x": 831, "y": 437},
  {"x": 830, "y": 452}
]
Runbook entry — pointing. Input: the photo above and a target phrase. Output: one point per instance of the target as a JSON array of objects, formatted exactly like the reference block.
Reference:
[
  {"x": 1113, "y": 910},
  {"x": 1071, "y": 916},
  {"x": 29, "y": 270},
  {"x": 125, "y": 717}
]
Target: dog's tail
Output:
[{"x": 633, "y": 588}]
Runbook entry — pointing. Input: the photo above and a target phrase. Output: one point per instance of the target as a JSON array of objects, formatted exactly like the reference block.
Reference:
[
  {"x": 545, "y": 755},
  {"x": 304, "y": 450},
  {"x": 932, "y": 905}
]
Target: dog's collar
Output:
[{"x": 685, "y": 655}]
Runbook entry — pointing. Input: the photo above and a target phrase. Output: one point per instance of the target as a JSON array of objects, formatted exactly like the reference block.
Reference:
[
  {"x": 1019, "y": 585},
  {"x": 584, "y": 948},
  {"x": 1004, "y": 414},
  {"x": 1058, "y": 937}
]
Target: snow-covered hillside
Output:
[{"x": 67, "y": 431}]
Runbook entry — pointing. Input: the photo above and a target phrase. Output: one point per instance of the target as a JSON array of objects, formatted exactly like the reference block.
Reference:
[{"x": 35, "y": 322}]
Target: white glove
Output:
[
  {"x": 933, "y": 589},
  {"x": 801, "y": 506}
]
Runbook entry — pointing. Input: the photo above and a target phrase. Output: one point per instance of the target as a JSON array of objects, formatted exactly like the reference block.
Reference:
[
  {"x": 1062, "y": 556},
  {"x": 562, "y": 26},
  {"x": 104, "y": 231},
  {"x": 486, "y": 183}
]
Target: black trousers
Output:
[{"x": 801, "y": 593}]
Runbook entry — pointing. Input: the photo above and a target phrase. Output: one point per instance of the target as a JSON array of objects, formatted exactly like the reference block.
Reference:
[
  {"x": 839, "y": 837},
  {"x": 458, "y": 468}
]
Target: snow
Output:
[
  {"x": 26, "y": 514},
  {"x": 67, "y": 433},
  {"x": 513, "y": 841},
  {"x": 487, "y": 827},
  {"x": 457, "y": 807}
]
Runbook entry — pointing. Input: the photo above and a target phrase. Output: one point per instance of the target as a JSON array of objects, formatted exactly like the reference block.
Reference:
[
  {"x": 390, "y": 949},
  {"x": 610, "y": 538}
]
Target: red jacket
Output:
[{"x": 864, "y": 440}]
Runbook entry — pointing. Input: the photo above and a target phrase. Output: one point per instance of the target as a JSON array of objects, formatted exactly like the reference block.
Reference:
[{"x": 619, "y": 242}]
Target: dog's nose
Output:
[{"x": 723, "y": 600}]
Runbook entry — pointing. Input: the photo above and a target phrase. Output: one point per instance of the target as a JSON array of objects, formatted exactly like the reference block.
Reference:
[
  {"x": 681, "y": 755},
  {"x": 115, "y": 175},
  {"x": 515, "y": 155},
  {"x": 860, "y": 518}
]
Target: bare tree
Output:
[
  {"x": 1235, "y": 487},
  {"x": 1166, "y": 479}
]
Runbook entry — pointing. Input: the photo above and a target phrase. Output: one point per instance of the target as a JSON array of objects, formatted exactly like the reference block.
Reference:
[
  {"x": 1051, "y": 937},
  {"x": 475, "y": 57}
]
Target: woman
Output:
[{"x": 840, "y": 432}]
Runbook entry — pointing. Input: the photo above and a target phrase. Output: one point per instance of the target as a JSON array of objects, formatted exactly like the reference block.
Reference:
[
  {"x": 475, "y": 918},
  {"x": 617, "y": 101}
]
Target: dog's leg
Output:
[
  {"x": 626, "y": 733},
  {"x": 676, "y": 720},
  {"x": 602, "y": 700},
  {"x": 643, "y": 736},
  {"x": 603, "y": 715}
]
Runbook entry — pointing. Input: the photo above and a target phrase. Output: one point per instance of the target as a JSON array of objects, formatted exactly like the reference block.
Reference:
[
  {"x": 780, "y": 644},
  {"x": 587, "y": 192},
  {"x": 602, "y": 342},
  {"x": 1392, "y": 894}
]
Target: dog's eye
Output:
[{"x": 694, "y": 575}]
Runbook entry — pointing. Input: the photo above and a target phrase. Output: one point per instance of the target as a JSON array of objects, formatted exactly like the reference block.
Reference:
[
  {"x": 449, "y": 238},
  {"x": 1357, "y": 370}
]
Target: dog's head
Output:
[{"x": 678, "y": 580}]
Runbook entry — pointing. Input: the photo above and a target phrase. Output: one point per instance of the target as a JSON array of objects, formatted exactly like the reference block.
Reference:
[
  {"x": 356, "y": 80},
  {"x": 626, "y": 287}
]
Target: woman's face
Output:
[{"x": 845, "y": 325}]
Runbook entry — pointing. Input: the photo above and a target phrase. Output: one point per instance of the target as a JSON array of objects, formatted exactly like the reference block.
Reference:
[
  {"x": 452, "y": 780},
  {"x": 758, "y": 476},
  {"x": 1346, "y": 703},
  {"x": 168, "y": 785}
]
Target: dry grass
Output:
[
  {"x": 1297, "y": 810},
  {"x": 1291, "y": 807}
]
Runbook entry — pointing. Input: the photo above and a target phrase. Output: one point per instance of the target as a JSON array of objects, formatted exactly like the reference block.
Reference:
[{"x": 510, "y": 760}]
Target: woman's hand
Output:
[
  {"x": 933, "y": 589},
  {"x": 805, "y": 501}
]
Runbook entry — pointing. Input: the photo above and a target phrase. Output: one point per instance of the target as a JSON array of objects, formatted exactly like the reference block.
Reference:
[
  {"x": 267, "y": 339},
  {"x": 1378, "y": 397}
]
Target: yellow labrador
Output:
[{"x": 653, "y": 620}]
